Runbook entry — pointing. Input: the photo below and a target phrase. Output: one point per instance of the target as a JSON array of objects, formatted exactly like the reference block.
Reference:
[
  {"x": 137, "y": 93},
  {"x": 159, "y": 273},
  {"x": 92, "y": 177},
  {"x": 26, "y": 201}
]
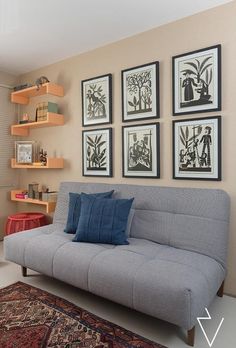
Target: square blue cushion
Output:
[
  {"x": 103, "y": 220},
  {"x": 75, "y": 206}
]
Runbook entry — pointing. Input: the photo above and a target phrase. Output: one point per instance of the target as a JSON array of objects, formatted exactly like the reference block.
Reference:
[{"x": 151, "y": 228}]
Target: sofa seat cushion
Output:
[
  {"x": 168, "y": 283},
  {"x": 16, "y": 244}
]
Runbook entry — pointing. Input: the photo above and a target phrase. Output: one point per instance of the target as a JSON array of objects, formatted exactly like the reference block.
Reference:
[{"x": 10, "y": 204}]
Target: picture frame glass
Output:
[
  {"x": 140, "y": 92},
  {"x": 97, "y": 100},
  {"x": 24, "y": 152},
  {"x": 197, "y": 150},
  {"x": 197, "y": 81},
  {"x": 97, "y": 152},
  {"x": 141, "y": 151}
]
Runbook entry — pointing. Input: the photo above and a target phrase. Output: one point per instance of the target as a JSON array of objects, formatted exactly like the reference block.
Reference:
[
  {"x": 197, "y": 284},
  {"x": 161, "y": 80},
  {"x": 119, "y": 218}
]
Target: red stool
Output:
[{"x": 24, "y": 221}]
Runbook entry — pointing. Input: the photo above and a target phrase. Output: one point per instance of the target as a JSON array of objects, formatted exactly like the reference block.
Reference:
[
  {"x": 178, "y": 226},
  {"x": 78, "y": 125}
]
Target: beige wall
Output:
[
  {"x": 205, "y": 29},
  {"x": 6, "y": 206}
]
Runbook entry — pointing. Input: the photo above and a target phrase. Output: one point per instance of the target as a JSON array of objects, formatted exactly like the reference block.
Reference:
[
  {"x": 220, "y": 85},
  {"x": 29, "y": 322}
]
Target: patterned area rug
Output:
[{"x": 33, "y": 318}]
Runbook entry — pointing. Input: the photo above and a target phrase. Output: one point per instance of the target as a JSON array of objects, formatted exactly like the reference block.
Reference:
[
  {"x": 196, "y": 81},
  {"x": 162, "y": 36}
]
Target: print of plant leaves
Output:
[
  {"x": 210, "y": 79},
  {"x": 198, "y": 64},
  {"x": 130, "y": 103},
  {"x": 182, "y": 140},
  {"x": 186, "y": 133},
  {"x": 182, "y": 132},
  {"x": 205, "y": 68},
  {"x": 204, "y": 62},
  {"x": 99, "y": 138},
  {"x": 102, "y": 143},
  {"x": 89, "y": 143},
  {"x": 90, "y": 139},
  {"x": 192, "y": 64}
]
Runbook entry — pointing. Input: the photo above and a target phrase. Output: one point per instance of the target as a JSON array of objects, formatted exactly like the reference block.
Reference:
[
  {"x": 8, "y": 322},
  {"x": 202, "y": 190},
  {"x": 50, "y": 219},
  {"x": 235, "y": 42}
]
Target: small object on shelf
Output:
[
  {"x": 32, "y": 188},
  {"x": 25, "y": 116},
  {"x": 20, "y": 87},
  {"x": 43, "y": 157},
  {"x": 23, "y": 122},
  {"x": 42, "y": 110},
  {"x": 40, "y": 81},
  {"x": 25, "y": 119},
  {"x": 21, "y": 195},
  {"x": 24, "y": 152},
  {"x": 50, "y": 196}
]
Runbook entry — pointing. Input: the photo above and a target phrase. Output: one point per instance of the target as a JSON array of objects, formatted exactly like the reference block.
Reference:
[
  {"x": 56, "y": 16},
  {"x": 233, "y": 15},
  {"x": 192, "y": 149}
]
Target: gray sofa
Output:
[{"x": 173, "y": 267}]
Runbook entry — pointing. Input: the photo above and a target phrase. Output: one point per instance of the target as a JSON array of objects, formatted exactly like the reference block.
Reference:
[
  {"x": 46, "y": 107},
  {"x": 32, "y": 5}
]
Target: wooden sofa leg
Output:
[
  {"x": 24, "y": 271},
  {"x": 191, "y": 335},
  {"x": 220, "y": 292}
]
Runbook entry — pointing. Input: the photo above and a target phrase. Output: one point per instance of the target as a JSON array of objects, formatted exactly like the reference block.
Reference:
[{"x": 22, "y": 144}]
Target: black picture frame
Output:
[
  {"x": 196, "y": 81},
  {"x": 96, "y": 107},
  {"x": 149, "y": 151},
  {"x": 150, "y": 91},
  {"x": 197, "y": 148},
  {"x": 94, "y": 168}
]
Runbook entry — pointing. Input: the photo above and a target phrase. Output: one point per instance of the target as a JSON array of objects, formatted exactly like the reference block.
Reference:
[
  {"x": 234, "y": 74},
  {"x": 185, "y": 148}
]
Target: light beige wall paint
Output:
[
  {"x": 6, "y": 206},
  {"x": 205, "y": 29}
]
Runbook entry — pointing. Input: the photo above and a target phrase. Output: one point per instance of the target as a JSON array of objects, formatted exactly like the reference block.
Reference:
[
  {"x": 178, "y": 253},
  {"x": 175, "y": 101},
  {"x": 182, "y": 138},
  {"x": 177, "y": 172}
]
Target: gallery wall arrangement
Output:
[{"x": 196, "y": 142}]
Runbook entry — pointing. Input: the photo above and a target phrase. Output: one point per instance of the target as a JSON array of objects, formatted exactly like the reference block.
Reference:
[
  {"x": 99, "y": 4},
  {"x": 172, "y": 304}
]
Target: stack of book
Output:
[{"x": 43, "y": 108}]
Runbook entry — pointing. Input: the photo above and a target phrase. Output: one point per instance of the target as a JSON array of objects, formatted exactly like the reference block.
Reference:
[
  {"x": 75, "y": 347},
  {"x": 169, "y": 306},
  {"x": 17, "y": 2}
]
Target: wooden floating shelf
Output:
[
  {"x": 50, "y": 206},
  {"x": 23, "y": 96},
  {"x": 23, "y": 129},
  {"x": 52, "y": 163}
]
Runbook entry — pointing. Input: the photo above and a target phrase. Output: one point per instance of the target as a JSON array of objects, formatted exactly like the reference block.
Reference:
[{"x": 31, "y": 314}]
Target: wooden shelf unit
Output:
[
  {"x": 52, "y": 163},
  {"x": 50, "y": 206},
  {"x": 23, "y": 96},
  {"x": 23, "y": 129}
]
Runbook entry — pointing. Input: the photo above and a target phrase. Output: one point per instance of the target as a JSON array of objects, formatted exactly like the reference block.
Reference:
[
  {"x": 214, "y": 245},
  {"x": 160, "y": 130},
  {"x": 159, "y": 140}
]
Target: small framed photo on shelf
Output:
[
  {"x": 141, "y": 151},
  {"x": 24, "y": 152},
  {"x": 97, "y": 152},
  {"x": 140, "y": 92},
  {"x": 197, "y": 81},
  {"x": 197, "y": 148},
  {"x": 97, "y": 100}
]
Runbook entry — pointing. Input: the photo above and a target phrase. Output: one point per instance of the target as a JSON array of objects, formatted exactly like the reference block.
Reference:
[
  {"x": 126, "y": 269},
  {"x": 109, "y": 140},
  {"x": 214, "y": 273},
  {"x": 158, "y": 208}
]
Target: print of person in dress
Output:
[
  {"x": 188, "y": 84},
  {"x": 206, "y": 140}
]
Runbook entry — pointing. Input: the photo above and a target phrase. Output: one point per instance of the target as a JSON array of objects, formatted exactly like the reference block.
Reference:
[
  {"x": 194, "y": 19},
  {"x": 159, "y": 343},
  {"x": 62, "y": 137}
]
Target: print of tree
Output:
[
  {"x": 96, "y": 157},
  {"x": 139, "y": 85}
]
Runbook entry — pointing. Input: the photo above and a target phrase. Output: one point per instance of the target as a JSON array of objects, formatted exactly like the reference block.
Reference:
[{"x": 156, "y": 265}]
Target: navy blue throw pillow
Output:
[
  {"x": 75, "y": 206},
  {"x": 103, "y": 220}
]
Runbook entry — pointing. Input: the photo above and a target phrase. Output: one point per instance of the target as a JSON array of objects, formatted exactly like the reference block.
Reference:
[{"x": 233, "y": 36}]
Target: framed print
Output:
[
  {"x": 97, "y": 152},
  {"x": 97, "y": 100},
  {"x": 140, "y": 92},
  {"x": 197, "y": 81},
  {"x": 197, "y": 148},
  {"x": 141, "y": 151},
  {"x": 24, "y": 152}
]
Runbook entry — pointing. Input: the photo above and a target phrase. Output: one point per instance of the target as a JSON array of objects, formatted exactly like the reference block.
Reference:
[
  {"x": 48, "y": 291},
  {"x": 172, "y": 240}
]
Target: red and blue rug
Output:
[{"x": 33, "y": 318}]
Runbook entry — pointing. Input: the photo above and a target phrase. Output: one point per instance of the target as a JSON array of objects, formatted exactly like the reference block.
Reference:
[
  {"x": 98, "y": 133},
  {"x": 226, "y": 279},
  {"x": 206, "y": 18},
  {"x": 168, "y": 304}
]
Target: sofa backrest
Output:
[{"x": 186, "y": 218}]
